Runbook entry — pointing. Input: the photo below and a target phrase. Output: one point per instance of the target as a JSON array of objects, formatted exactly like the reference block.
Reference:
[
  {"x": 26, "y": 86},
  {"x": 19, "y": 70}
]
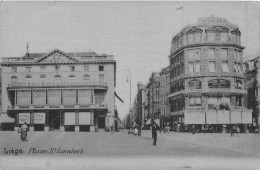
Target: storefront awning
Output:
[
  {"x": 148, "y": 121},
  {"x": 246, "y": 116},
  {"x": 4, "y": 118},
  {"x": 194, "y": 117}
]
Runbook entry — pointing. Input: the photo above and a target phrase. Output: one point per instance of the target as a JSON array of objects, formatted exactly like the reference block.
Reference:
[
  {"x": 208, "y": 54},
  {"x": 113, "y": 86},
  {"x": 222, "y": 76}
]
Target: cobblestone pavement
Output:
[{"x": 104, "y": 150}]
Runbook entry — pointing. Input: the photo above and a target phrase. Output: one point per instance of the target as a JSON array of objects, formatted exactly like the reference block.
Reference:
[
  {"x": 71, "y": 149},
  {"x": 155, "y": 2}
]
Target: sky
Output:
[{"x": 138, "y": 34}]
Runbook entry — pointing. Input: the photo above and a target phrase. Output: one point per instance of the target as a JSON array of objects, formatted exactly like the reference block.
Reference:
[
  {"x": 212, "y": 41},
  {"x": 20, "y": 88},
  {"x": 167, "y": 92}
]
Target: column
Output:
[
  {"x": 76, "y": 121},
  {"x": 15, "y": 97},
  {"x": 92, "y": 127},
  {"x": 62, "y": 127},
  {"x": 16, "y": 122},
  {"x": 46, "y": 128},
  {"x": 31, "y": 128}
]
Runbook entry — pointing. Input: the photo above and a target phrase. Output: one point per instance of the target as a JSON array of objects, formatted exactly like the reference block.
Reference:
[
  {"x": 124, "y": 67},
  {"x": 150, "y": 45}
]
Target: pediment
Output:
[{"x": 57, "y": 56}]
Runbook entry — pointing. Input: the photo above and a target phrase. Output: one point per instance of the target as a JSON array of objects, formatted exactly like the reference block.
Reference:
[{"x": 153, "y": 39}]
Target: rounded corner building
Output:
[{"x": 207, "y": 77}]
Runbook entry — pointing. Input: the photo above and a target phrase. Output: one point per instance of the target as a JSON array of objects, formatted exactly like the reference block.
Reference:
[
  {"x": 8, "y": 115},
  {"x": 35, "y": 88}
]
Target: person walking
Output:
[
  {"x": 167, "y": 128},
  {"x": 112, "y": 129},
  {"x": 232, "y": 131},
  {"x": 154, "y": 133},
  {"x": 24, "y": 129}
]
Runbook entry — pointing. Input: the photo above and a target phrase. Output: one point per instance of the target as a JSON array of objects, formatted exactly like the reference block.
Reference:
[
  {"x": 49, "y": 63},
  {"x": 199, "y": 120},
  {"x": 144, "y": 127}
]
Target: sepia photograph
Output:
[{"x": 130, "y": 85}]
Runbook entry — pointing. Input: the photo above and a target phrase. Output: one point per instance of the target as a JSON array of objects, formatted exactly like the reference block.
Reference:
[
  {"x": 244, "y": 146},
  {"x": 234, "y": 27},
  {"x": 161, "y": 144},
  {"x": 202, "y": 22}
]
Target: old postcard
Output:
[{"x": 129, "y": 85}]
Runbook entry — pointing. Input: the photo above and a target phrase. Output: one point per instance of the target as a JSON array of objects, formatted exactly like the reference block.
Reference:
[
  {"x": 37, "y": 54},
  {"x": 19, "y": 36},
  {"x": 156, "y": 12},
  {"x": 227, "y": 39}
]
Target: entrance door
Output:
[
  {"x": 101, "y": 122},
  {"x": 54, "y": 120}
]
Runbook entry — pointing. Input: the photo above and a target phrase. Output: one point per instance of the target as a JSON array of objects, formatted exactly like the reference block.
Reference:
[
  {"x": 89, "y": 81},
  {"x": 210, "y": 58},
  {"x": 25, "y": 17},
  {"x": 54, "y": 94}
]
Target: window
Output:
[
  {"x": 194, "y": 67},
  {"x": 57, "y": 68},
  {"x": 101, "y": 68},
  {"x": 211, "y": 53},
  {"x": 224, "y": 37},
  {"x": 101, "y": 78},
  {"x": 28, "y": 69},
  {"x": 211, "y": 102},
  {"x": 195, "y": 101},
  {"x": 213, "y": 84},
  {"x": 72, "y": 68},
  {"x": 197, "y": 55},
  {"x": 224, "y": 53},
  {"x": 238, "y": 68},
  {"x": 42, "y": 68},
  {"x": 211, "y": 36},
  {"x": 217, "y": 36},
  {"x": 224, "y": 66},
  {"x": 238, "y": 84},
  {"x": 239, "y": 100},
  {"x": 86, "y": 68},
  {"x": 197, "y": 37},
  {"x": 194, "y": 84},
  {"x": 212, "y": 66},
  {"x": 14, "y": 69},
  {"x": 189, "y": 38},
  {"x": 224, "y": 84}
]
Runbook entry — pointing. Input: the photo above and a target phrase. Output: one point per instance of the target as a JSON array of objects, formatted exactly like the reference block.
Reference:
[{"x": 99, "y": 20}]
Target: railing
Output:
[
  {"x": 57, "y": 84},
  {"x": 76, "y": 106}
]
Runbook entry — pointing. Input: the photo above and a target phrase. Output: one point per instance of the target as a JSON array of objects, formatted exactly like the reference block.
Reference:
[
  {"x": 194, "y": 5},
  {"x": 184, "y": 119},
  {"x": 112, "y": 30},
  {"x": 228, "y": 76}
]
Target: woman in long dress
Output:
[{"x": 24, "y": 129}]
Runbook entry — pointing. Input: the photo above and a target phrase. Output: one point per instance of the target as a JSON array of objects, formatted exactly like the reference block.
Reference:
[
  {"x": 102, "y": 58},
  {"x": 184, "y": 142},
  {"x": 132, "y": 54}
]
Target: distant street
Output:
[{"x": 120, "y": 145}]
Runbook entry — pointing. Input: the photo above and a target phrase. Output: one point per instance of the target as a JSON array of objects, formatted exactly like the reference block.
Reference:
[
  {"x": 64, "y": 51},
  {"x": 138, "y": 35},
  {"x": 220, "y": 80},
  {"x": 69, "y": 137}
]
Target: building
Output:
[
  {"x": 59, "y": 91},
  {"x": 152, "y": 103},
  {"x": 164, "y": 92},
  {"x": 207, "y": 80},
  {"x": 252, "y": 79}
]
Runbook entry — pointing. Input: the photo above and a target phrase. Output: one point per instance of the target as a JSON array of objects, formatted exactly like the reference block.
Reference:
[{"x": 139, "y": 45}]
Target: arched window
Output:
[
  {"x": 213, "y": 83},
  {"x": 194, "y": 84}
]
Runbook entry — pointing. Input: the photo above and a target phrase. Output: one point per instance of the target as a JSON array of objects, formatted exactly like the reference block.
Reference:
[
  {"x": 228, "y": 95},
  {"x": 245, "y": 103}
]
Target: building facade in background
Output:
[
  {"x": 164, "y": 92},
  {"x": 59, "y": 91},
  {"x": 252, "y": 79},
  {"x": 207, "y": 80}
]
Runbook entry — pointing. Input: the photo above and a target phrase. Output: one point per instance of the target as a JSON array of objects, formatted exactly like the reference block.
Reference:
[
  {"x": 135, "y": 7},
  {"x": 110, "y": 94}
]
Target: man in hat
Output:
[{"x": 154, "y": 133}]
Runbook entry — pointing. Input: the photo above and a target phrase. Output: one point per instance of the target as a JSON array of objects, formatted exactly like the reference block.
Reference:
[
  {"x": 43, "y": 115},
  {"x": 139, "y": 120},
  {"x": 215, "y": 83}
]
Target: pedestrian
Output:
[
  {"x": 193, "y": 130},
  {"x": 112, "y": 128},
  {"x": 167, "y": 128},
  {"x": 154, "y": 133},
  {"x": 135, "y": 130},
  {"x": 24, "y": 129},
  {"x": 232, "y": 131}
]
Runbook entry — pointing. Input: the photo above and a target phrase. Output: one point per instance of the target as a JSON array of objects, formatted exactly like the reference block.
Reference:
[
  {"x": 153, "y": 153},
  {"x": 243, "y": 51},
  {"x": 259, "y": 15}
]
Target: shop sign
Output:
[
  {"x": 24, "y": 117},
  {"x": 39, "y": 118}
]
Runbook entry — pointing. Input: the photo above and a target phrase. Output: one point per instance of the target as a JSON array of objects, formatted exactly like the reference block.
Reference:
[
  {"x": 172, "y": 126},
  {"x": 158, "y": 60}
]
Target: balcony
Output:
[
  {"x": 102, "y": 85},
  {"x": 51, "y": 107}
]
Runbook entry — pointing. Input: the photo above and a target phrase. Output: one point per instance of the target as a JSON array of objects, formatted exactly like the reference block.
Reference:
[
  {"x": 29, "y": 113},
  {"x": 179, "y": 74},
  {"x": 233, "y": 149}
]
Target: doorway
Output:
[{"x": 54, "y": 120}]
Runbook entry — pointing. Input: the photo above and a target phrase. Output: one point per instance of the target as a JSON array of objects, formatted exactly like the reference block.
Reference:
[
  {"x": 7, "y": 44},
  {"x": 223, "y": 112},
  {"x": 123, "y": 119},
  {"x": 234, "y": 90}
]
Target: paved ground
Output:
[{"x": 114, "y": 151}]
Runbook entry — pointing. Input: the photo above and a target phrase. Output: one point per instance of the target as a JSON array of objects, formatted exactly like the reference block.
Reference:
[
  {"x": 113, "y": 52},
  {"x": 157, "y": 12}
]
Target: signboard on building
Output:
[
  {"x": 85, "y": 118},
  {"x": 24, "y": 117},
  {"x": 69, "y": 118},
  {"x": 39, "y": 118}
]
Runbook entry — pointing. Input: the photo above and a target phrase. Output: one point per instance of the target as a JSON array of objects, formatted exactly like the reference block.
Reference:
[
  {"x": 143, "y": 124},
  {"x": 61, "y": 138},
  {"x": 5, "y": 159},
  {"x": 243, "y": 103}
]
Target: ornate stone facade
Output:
[
  {"x": 71, "y": 91},
  {"x": 207, "y": 70}
]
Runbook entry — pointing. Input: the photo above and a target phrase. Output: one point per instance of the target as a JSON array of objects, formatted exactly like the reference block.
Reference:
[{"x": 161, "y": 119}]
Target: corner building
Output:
[
  {"x": 59, "y": 91},
  {"x": 207, "y": 81}
]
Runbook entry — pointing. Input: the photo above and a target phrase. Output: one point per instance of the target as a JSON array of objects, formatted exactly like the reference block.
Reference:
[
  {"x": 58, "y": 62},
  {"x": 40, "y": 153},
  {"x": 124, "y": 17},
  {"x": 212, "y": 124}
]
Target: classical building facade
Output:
[
  {"x": 59, "y": 91},
  {"x": 252, "y": 77},
  {"x": 207, "y": 80},
  {"x": 164, "y": 92}
]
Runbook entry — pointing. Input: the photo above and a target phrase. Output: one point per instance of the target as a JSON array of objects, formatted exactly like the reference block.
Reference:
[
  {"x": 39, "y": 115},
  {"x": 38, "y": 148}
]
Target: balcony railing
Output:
[
  {"x": 57, "y": 84},
  {"x": 75, "y": 106}
]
